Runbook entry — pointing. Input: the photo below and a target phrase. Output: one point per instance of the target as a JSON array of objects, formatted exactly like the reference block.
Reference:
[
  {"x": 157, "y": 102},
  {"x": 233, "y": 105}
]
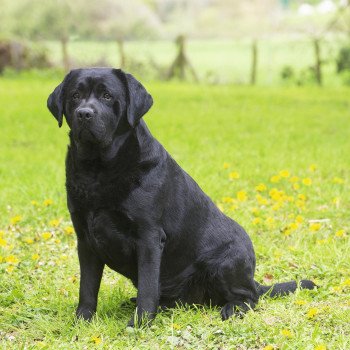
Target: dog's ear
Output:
[
  {"x": 55, "y": 101},
  {"x": 139, "y": 100}
]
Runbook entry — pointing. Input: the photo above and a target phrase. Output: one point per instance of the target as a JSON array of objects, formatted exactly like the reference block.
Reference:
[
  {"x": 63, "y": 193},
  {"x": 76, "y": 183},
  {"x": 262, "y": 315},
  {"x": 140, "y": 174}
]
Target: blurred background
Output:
[{"x": 263, "y": 42}]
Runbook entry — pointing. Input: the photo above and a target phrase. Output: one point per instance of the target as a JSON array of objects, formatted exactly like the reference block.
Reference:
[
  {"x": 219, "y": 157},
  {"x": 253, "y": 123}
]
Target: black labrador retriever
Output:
[{"x": 134, "y": 209}]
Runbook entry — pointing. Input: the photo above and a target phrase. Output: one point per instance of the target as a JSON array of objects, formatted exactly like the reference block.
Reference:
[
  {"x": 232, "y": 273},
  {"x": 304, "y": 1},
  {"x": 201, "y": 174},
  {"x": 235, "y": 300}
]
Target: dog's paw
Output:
[
  {"x": 232, "y": 309},
  {"x": 85, "y": 313}
]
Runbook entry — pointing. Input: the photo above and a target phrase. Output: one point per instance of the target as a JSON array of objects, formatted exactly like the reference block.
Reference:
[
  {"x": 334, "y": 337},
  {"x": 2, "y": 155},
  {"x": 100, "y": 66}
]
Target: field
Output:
[
  {"x": 215, "y": 61},
  {"x": 276, "y": 160}
]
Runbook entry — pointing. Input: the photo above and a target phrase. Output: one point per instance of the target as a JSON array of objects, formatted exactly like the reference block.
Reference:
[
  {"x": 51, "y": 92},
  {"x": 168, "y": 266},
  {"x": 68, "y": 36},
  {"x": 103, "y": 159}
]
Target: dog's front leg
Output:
[
  {"x": 91, "y": 270},
  {"x": 149, "y": 252}
]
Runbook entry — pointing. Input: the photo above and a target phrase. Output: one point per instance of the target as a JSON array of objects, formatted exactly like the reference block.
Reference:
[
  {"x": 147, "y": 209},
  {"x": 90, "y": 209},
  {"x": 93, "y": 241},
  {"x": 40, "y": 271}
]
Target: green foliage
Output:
[
  {"x": 343, "y": 59},
  {"x": 231, "y": 140}
]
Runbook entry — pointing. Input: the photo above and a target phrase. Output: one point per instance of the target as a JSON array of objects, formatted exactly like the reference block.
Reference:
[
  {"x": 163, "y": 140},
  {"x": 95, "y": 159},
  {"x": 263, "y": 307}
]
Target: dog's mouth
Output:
[{"x": 86, "y": 135}]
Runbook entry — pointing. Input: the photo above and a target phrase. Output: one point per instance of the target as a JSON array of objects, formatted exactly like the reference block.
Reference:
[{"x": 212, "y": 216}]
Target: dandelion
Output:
[
  {"x": 338, "y": 180},
  {"x": 234, "y": 207},
  {"x": 299, "y": 219},
  {"x": 320, "y": 347},
  {"x": 275, "y": 178},
  {"x": 69, "y": 230},
  {"x": 261, "y": 188},
  {"x": 286, "y": 333},
  {"x": 268, "y": 347},
  {"x": 270, "y": 221},
  {"x": 2, "y": 242},
  {"x": 300, "y": 302},
  {"x": 315, "y": 226},
  {"x": 96, "y": 340},
  {"x": 46, "y": 235},
  {"x": 48, "y": 202},
  {"x": 28, "y": 240},
  {"x": 296, "y": 186},
  {"x": 226, "y": 165},
  {"x": 301, "y": 197},
  {"x": 293, "y": 226},
  {"x": 294, "y": 179},
  {"x": 284, "y": 173},
  {"x": 255, "y": 211},
  {"x": 312, "y": 312},
  {"x": 261, "y": 200},
  {"x": 14, "y": 220},
  {"x": 242, "y": 196},
  {"x": 228, "y": 200},
  {"x": 233, "y": 175},
  {"x": 307, "y": 181},
  {"x": 12, "y": 259},
  {"x": 34, "y": 203},
  {"x": 346, "y": 283},
  {"x": 312, "y": 167},
  {"x": 176, "y": 326},
  {"x": 35, "y": 256},
  {"x": 256, "y": 221},
  {"x": 54, "y": 222},
  {"x": 339, "y": 233},
  {"x": 10, "y": 268},
  {"x": 276, "y": 207}
]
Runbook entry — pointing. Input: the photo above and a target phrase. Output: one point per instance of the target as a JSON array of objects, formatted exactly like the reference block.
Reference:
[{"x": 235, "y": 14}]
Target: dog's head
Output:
[{"x": 98, "y": 103}]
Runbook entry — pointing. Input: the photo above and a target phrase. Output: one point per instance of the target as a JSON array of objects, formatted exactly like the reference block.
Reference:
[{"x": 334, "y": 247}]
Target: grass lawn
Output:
[{"x": 276, "y": 160}]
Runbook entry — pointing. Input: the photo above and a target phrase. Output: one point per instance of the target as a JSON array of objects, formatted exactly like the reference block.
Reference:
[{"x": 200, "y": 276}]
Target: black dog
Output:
[{"x": 135, "y": 210}]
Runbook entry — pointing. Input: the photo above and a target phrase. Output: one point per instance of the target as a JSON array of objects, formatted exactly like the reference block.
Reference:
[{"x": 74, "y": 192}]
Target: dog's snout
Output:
[{"x": 85, "y": 113}]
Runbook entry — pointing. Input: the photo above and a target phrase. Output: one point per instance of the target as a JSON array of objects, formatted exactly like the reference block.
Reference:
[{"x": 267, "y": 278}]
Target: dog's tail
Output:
[{"x": 280, "y": 289}]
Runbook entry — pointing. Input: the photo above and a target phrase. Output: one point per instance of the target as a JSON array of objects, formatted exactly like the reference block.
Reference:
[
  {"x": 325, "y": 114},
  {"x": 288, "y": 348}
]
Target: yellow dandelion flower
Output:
[
  {"x": 293, "y": 226},
  {"x": 226, "y": 165},
  {"x": 1, "y": 259},
  {"x": 321, "y": 241},
  {"x": 69, "y": 230},
  {"x": 312, "y": 312},
  {"x": 315, "y": 226},
  {"x": 284, "y": 173},
  {"x": 35, "y": 256},
  {"x": 28, "y": 240},
  {"x": 256, "y": 221},
  {"x": 54, "y": 222},
  {"x": 255, "y": 211},
  {"x": 57, "y": 241},
  {"x": 307, "y": 181},
  {"x": 268, "y": 347},
  {"x": 300, "y": 302},
  {"x": 242, "y": 196},
  {"x": 96, "y": 340},
  {"x": 320, "y": 347},
  {"x": 176, "y": 326},
  {"x": 261, "y": 200},
  {"x": 300, "y": 204},
  {"x": 233, "y": 175},
  {"x": 287, "y": 232},
  {"x": 275, "y": 178},
  {"x": 261, "y": 188},
  {"x": 46, "y": 235},
  {"x": 276, "y": 207},
  {"x": 2, "y": 242},
  {"x": 294, "y": 179},
  {"x": 338, "y": 180},
  {"x": 287, "y": 333},
  {"x": 301, "y": 197},
  {"x": 270, "y": 221},
  {"x": 296, "y": 186},
  {"x": 312, "y": 167},
  {"x": 299, "y": 219},
  {"x": 10, "y": 268},
  {"x": 48, "y": 202},
  {"x": 2, "y": 234},
  {"x": 346, "y": 283},
  {"x": 234, "y": 207},
  {"x": 14, "y": 220},
  {"x": 34, "y": 203},
  {"x": 228, "y": 200},
  {"x": 340, "y": 233},
  {"x": 12, "y": 259}
]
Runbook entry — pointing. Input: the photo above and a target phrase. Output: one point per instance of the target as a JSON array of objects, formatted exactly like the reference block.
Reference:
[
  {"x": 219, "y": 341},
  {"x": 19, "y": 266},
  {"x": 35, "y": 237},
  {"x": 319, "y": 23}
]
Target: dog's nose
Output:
[{"x": 85, "y": 114}]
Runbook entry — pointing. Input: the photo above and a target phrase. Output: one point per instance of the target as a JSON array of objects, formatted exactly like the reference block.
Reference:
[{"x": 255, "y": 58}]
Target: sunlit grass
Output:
[{"x": 276, "y": 161}]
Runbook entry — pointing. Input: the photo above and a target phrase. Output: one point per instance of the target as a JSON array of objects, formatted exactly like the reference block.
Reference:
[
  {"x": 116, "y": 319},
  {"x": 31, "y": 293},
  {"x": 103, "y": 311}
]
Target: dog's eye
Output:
[
  {"x": 107, "y": 96},
  {"x": 76, "y": 96}
]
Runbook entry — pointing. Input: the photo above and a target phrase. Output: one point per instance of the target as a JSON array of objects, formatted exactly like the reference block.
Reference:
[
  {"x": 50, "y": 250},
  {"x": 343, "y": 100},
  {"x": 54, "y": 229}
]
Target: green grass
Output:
[{"x": 258, "y": 132}]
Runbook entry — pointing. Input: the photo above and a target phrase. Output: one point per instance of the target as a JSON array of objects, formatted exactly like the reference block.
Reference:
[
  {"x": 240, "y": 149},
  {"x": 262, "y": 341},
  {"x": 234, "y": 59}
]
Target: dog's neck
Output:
[{"x": 90, "y": 152}]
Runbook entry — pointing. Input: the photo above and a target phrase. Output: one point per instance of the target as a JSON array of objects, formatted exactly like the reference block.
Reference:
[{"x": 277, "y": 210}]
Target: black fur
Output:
[{"x": 135, "y": 210}]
